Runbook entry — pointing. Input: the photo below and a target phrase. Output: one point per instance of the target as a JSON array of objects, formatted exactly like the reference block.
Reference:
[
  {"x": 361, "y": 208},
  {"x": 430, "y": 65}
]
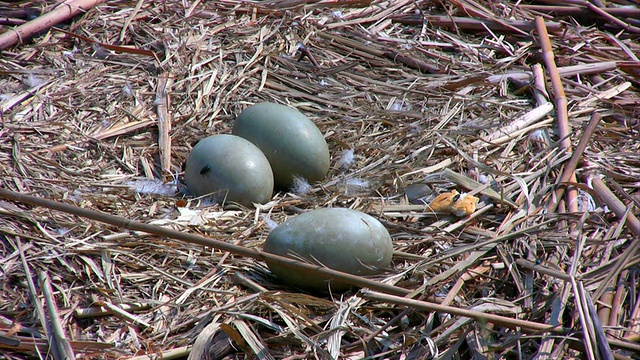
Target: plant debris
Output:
[{"x": 530, "y": 109}]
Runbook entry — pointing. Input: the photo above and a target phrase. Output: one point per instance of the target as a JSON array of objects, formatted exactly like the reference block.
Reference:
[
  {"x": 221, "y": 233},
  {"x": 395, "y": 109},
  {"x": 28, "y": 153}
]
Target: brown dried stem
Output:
[
  {"x": 570, "y": 167},
  {"x": 62, "y": 345},
  {"x": 463, "y": 23},
  {"x": 607, "y": 16},
  {"x": 612, "y": 201},
  {"x": 163, "y": 105},
  {"x": 579, "y": 10},
  {"x": 425, "y": 110},
  {"x": 511, "y": 323},
  {"x": 199, "y": 240},
  {"x": 562, "y": 116},
  {"x": 62, "y": 12}
]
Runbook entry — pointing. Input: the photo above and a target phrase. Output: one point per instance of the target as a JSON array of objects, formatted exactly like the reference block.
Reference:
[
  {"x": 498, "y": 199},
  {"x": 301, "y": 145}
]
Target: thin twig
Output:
[{"x": 200, "y": 240}]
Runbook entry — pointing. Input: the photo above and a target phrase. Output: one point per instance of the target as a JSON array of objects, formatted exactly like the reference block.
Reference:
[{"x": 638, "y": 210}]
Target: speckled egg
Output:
[
  {"x": 231, "y": 169},
  {"x": 341, "y": 239},
  {"x": 292, "y": 143}
]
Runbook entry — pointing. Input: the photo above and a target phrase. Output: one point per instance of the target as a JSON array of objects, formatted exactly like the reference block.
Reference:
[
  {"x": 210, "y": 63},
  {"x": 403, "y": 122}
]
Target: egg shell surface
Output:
[
  {"x": 231, "y": 169},
  {"x": 292, "y": 143},
  {"x": 341, "y": 239}
]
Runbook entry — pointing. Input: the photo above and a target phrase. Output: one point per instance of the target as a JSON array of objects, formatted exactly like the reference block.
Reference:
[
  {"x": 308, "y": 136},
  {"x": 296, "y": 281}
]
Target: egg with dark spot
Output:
[
  {"x": 291, "y": 142},
  {"x": 229, "y": 168},
  {"x": 341, "y": 239}
]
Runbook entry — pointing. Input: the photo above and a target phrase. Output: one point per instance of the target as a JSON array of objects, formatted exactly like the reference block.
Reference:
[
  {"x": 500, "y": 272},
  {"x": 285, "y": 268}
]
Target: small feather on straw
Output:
[
  {"x": 347, "y": 158},
  {"x": 152, "y": 186},
  {"x": 300, "y": 185}
]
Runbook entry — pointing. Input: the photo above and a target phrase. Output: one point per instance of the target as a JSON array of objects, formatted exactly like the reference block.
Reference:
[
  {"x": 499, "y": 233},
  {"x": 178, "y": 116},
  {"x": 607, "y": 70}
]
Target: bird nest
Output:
[{"x": 533, "y": 109}]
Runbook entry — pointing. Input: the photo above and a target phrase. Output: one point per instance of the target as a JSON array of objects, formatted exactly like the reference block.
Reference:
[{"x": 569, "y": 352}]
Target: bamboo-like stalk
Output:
[
  {"x": 616, "y": 304},
  {"x": 560, "y": 98},
  {"x": 613, "y": 19},
  {"x": 33, "y": 345},
  {"x": 507, "y": 132},
  {"x": 578, "y": 10},
  {"x": 539, "y": 91},
  {"x": 124, "y": 314},
  {"x": 511, "y": 323},
  {"x": 633, "y": 334},
  {"x": 543, "y": 269},
  {"x": 570, "y": 167},
  {"x": 61, "y": 13},
  {"x": 562, "y": 114},
  {"x": 606, "y": 300},
  {"x": 571, "y": 70},
  {"x": 465, "y": 23},
  {"x": 163, "y": 105},
  {"x": 200, "y": 240},
  {"x": 39, "y": 309},
  {"x": 62, "y": 344},
  {"x": 612, "y": 201}
]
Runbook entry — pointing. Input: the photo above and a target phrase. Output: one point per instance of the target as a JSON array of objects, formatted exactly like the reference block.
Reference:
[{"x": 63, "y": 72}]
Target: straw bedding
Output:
[{"x": 530, "y": 107}]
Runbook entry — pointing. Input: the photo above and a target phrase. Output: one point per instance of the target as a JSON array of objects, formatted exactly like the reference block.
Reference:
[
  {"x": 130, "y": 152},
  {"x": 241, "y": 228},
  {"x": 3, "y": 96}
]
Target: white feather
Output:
[
  {"x": 152, "y": 186},
  {"x": 355, "y": 185},
  {"x": 347, "y": 158},
  {"x": 300, "y": 185},
  {"x": 270, "y": 223}
]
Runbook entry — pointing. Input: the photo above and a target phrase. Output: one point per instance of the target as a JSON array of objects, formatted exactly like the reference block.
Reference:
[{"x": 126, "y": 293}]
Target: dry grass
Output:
[{"x": 96, "y": 108}]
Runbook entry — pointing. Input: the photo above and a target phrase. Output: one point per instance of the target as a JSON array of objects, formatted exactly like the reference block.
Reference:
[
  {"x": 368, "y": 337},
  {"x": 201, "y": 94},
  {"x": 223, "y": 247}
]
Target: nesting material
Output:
[
  {"x": 454, "y": 203},
  {"x": 417, "y": 91}
]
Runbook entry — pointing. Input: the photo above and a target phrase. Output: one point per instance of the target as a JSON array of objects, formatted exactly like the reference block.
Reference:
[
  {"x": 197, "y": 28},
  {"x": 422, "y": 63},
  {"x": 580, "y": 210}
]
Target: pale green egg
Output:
[
  {"x": 340, "y": 239},
  {"x": 292, "y": 143},
  {"x": 229, "y": 168}
]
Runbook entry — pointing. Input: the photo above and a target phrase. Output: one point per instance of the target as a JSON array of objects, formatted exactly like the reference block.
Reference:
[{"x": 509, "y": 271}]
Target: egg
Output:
[
  {"x": 230, "y": 168},
  {"x": 341, "y": 239},
  {"x": 292, "y": 143}
]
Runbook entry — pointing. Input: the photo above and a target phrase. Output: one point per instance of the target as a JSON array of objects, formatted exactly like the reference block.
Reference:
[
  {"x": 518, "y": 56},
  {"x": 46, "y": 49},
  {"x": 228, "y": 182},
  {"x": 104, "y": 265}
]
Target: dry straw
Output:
[{"x": 533, "y": 108}]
